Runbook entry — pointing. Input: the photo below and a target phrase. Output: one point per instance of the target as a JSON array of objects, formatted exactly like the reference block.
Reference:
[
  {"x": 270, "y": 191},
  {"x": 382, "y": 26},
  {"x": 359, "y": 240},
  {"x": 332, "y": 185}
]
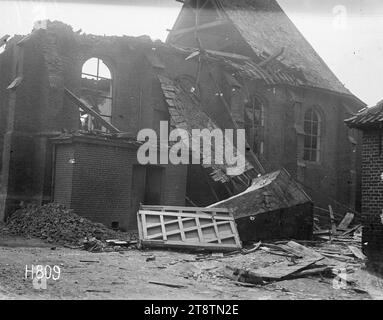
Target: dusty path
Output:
[{"x": 127, "y": 275}]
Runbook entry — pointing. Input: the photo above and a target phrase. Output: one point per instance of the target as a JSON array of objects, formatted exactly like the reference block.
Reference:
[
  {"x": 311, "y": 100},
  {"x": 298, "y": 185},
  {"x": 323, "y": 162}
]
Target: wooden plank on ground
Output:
[
  {"x": 347, "y": 219},
  {"x": 306, "y": 252},
  {"x": 276, "y": 272},
  {"x": 357, "y": 252},
  {"x": 281, "y": 270},
  {"x": 347, "y": 232}
]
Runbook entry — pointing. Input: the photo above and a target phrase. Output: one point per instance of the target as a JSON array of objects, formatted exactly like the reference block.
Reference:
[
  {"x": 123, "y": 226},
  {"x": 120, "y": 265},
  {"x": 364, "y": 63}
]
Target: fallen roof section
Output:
[
  {"x": 186, "y": 114},
  {"x": 278, "y": 187},
  {"x": 273, "y": 207}
]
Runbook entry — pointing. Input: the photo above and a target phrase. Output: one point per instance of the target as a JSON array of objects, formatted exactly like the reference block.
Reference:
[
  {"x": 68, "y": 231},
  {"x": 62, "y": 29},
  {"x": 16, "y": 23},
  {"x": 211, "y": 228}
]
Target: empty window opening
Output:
[
  {"x": 312, "y": 128},
  {"x": 96, "y": 89}
]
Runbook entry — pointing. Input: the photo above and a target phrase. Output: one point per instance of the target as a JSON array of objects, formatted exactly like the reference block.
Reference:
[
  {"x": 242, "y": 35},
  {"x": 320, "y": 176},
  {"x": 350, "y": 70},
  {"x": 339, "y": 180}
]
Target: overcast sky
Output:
[{"x": 348, "y": 34}]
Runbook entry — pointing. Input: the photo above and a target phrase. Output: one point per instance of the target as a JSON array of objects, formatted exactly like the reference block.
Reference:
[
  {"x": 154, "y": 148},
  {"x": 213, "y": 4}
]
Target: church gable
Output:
[{"x": 258, "y": 29}]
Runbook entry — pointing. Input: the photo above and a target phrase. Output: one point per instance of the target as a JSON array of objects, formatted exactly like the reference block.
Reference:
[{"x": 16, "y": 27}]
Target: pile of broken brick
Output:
[{"x": 57, "y": 225}]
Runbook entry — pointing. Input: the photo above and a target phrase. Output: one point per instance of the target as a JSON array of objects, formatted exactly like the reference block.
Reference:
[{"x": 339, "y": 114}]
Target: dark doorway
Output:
[
  {"x": 146, "y": 188},
  {"x": 153, "y": 185},
  {"x": 138, "y": 193}
]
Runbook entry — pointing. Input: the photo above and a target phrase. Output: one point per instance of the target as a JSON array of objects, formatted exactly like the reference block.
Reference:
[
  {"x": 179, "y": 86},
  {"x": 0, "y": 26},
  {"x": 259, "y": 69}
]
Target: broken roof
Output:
[
  {"x": 186, "y": 114},
  {"x": 266, "y": 28},
  {"x": 367, "y": 118},
  {"x": 268, "y": 33},
  {"x": 270, "y": 192}
]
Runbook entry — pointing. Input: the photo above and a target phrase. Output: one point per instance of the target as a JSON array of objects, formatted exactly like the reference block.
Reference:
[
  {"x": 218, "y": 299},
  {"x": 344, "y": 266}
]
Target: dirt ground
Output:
[{"x": 127, "y": 275}]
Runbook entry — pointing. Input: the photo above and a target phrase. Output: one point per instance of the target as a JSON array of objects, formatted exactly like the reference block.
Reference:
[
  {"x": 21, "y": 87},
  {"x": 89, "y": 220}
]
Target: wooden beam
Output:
[
  {"x": 190, "y": 201},
  {"x": 87, "y": 108},
  {"x": 228, "y": 54},
  {"x": 183, "y": 209},
  {"x": 332, "y": 221},
  {"x": 200, "y": 27},
  {"x": 271, "y": 58},
  {"x": 343, "y": 225}
]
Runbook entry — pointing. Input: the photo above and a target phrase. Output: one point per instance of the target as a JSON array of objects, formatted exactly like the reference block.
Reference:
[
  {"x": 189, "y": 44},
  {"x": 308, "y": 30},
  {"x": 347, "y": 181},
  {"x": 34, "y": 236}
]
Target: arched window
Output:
[
  {"x": 254, "y": 122},
  {"x": 312, "y": 130},
  {"x": 96, "y": 89}
]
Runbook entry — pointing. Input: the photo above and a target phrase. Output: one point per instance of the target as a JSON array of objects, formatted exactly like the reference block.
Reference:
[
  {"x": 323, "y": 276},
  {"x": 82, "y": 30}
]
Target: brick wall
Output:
[
  {"x": 94, "y": 178},
  {"x": 372, "y": 193},
  {"x": 372, "y": 169},
  {"x": 63, "y": 175}
]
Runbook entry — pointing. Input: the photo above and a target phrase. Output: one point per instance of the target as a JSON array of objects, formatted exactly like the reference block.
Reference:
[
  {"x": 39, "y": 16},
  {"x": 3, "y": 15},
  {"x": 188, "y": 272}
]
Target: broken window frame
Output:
[
  {"x": 98, "y": 94},
  {"x": 312, "y": 120}
]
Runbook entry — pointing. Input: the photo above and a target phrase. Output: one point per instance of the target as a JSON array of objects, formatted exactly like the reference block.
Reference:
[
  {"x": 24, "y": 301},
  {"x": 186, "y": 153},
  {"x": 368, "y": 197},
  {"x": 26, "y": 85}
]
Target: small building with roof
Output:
[{"x": 370, "y": 122}]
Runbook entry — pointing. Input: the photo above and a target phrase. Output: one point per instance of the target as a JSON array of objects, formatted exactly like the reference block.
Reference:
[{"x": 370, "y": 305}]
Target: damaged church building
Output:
[{"x": 72, "y": 104}]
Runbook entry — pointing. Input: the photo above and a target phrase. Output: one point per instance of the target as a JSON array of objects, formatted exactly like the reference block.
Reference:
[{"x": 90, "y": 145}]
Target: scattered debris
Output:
[
  {"x": 277, "y": 252},
  {"x": 93, "y": 245},
  {"x": 279, "y": 271},
  {"x": 172, "y": 285},
  {"x": 324, "y": 259},
  {"x": 255, "y": 248},
  {"x": 355, "y": 228},
  {"x": 119, "y": 242},
  {"x": 327, "y": 270},
  {"x": 150, "y": 258},
  {"x": 304, "y": 251},
  {"x": 357, "y": 252},
  {"x": 211, "y": 229},
  {"x": 217, "y": 254}
]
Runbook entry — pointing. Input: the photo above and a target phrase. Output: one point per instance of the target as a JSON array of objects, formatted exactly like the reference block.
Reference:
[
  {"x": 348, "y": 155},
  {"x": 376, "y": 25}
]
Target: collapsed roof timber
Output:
[{"x": 226, "y": 64}]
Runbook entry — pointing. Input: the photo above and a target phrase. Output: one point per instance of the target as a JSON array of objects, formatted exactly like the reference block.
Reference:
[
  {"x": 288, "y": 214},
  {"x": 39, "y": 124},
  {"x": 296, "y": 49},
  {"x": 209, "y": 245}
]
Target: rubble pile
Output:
[{"x": 56, "y": 224}]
